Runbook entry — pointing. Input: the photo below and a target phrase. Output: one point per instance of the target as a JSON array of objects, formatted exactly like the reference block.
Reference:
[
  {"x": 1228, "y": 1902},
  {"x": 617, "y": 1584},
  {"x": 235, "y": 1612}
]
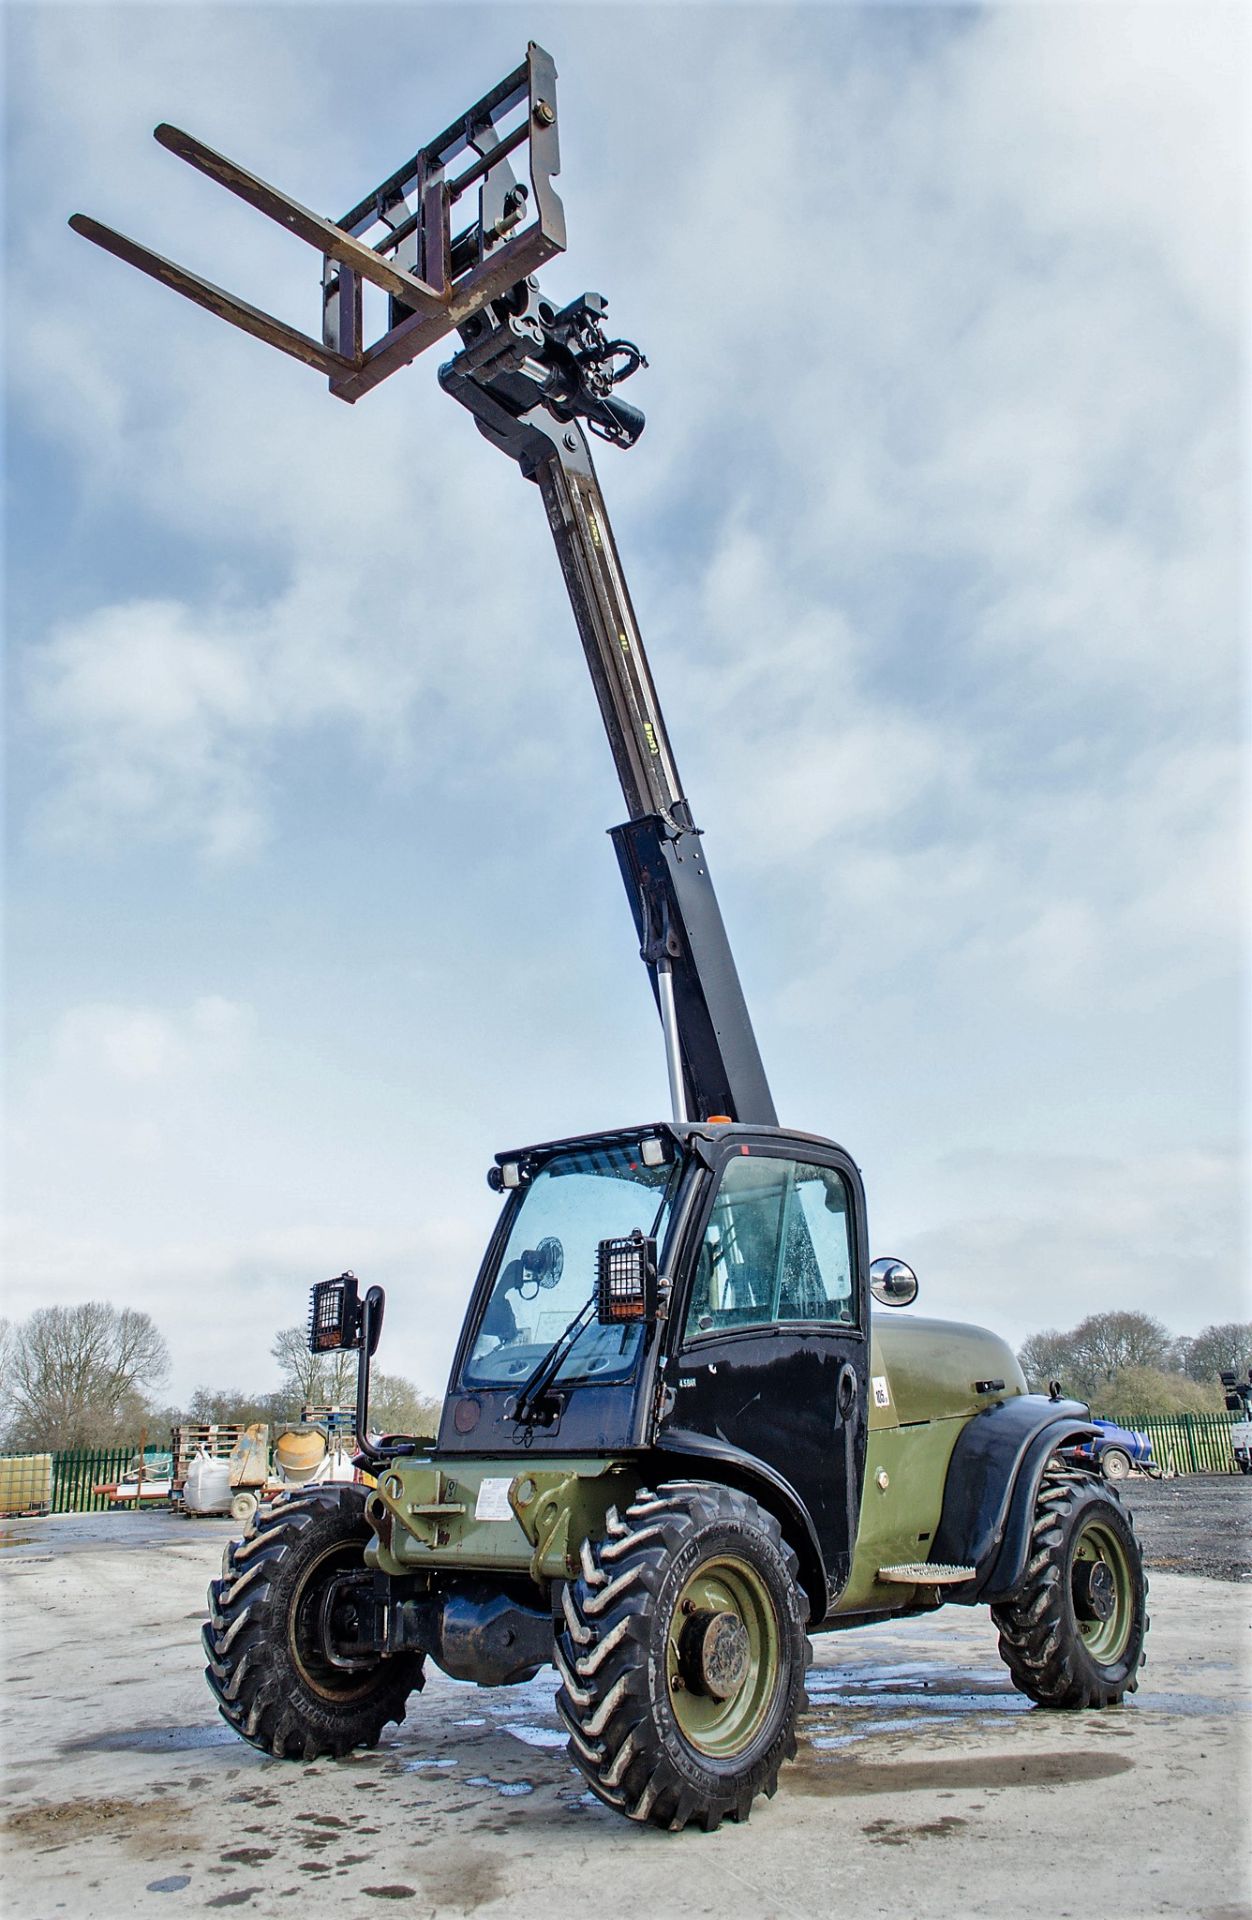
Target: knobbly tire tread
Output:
[
  {"x": 610, "y": 1651},
  {"x": 259, "y": 1686},
  {"x": 1039, "y": 1638}
]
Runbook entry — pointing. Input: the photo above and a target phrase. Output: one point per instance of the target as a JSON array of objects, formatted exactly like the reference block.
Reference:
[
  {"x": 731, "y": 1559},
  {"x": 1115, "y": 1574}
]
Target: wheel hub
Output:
[
  {"x": 714, "y": 1654},
  {"x": 1095, "y": 1591}
]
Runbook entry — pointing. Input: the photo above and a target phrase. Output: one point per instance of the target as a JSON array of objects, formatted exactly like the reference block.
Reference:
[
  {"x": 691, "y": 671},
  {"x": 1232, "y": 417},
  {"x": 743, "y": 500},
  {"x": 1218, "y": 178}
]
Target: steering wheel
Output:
[{"x": 541, "y": 1266}]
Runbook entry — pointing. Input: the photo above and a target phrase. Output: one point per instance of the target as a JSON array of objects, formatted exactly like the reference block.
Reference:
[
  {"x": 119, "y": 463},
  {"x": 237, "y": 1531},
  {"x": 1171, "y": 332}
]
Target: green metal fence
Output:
[
  {"x": 1189, "y": 1442},
  {"x": 76, "y": 1475}
]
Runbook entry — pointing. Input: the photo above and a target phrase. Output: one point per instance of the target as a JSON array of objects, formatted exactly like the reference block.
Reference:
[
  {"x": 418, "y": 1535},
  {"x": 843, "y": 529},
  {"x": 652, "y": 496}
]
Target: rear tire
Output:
[
  {"x": 272, "y": 1683},
  {"x": 1073, "y": 1636},
  {"x": 682, "y": 1657}
]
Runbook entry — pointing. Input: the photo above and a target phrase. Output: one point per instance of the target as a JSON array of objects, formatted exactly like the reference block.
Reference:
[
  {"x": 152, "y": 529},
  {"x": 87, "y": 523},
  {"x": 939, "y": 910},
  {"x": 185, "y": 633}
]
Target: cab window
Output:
[{"x": 778, "y": 1247}]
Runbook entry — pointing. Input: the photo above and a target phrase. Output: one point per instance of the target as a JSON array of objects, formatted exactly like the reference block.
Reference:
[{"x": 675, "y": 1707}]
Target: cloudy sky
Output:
[{"x": 935, "y": 535}]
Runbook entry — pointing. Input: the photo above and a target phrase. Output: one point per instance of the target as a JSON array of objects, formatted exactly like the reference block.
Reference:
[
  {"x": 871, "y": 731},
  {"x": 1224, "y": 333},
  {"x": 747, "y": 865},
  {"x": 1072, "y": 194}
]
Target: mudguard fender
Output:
[
  {"x": 993, "y": 1482},
  {"x": 754, "y": 1477}
]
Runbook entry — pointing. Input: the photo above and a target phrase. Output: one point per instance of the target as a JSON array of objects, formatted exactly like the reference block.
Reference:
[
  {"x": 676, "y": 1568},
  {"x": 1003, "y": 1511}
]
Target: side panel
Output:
[{"x": 906, "y": 1470}]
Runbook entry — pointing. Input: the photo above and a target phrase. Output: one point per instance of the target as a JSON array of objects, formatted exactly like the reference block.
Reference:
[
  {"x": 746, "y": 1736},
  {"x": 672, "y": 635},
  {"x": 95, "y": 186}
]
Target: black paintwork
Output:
[
  {"x": 659, "y": 849},
  {"x": 681, "y": 1454},
  {"x": 666, "y": 874},
  {"x": 773, "y": 1392},
  {"x": 993, "y": 1480},
  {"x": 764, "y": 1405}
]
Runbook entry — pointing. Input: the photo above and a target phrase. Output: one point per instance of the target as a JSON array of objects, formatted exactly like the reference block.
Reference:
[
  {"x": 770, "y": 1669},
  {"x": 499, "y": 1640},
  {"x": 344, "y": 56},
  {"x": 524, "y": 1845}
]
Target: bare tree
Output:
[
  {"x": 231, "y": 1406},
  {"x": 314, "y": 1379},
  {"x": 1105, "y": 1343},
  {"x": 1228, "y": 1344},
  {"x": 1048, "y": 1356},
  {"x": 80, "y": 1375},
  {"x": 8, "y": 1351},
  {"x": 397, "y": 1406}
]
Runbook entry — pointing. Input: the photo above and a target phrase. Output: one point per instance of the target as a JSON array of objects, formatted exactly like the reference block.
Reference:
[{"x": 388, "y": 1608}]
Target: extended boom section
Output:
[{"x": 537, "y": 379}]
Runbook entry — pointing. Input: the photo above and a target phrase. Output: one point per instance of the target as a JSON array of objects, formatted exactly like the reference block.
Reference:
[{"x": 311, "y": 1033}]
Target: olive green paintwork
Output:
[
  {"x": 514, "y": 1516},
  {"x": 500, "y": 1516},
  {"x": 922, "y": 1378}
]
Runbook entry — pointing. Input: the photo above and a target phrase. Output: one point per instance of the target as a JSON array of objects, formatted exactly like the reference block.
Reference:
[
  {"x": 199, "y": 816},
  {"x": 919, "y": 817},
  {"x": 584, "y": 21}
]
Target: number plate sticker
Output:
[
  {"x": 493, "y": 1501},
  {"x": 882, "y": 1392}
]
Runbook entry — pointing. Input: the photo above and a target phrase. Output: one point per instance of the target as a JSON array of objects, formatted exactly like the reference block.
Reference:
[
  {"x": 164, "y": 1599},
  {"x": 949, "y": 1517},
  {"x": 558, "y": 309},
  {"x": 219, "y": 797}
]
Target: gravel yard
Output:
[{"x": 1201, "y": 1523}]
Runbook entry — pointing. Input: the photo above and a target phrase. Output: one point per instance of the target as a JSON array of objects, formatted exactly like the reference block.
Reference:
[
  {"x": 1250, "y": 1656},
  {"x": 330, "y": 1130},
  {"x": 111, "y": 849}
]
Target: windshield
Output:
[{"x": 547, "y": 1270}]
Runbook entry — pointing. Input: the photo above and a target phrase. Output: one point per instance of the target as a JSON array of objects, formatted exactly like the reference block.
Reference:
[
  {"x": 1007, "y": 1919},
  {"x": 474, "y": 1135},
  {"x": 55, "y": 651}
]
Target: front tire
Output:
[
  {"x": 1073, "y": 1636},
  {"x": 1114, "y": 1464},
  {"x": 273, "y": 1682},
  {"x": 682, "y": 1657}
]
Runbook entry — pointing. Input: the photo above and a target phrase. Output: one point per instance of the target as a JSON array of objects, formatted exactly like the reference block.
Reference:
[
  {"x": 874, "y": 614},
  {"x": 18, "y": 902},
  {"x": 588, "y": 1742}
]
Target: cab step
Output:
[{"x": 926, "y": 1573}]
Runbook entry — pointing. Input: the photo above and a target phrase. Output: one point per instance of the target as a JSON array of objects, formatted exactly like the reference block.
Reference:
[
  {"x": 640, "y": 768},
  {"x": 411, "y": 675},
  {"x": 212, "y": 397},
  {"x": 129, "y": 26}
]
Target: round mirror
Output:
[{"x": 892, "y": 1283}]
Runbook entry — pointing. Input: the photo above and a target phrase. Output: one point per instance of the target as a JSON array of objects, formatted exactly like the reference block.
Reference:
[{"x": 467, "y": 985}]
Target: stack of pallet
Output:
[{"x": 218, "y": 1441}]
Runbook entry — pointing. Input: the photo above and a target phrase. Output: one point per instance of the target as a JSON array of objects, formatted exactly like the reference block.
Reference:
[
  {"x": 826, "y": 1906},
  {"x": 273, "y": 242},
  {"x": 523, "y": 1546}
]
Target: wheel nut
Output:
[
  {"x": 676, "y": 1684},
  {"x": 688, "y": 1606}
]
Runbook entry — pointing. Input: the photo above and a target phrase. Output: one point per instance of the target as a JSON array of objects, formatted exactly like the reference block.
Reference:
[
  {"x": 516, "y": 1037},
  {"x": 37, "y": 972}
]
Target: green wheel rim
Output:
[
  {"x": 724, "y": 1729},
  {"x": 1098, "y": 1546}
]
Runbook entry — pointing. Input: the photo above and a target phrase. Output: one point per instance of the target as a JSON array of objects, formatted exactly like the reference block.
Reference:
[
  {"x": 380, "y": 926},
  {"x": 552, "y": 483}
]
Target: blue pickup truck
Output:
[{"x": 1119, "y": 1449}]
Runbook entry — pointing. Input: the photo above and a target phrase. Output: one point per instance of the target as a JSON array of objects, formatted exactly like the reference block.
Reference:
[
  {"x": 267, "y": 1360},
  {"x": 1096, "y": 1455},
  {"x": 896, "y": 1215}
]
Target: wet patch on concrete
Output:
[
  {"x": 983, "y": 1773},
  {"x": 536, "y": 1736},
  {"x": 893, "y": 1833},
  {"x": 508, "y": 1789},
  {"x": 57, "y": 1823},
  {"x": 154, "y": 1740},
  {"x": 1192, "y": 1706},
  {"x": 464, "y": 1886}
]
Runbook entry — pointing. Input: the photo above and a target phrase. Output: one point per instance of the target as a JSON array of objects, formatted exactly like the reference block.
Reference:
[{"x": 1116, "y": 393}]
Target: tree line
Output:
[
  {"x": 91, "y": 1376},
  {"x": 1124, "y": 1364}
]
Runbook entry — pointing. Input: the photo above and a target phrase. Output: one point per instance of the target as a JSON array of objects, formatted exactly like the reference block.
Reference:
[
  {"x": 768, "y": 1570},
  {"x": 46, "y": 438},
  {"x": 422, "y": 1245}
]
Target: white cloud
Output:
[
  {"x": 934, "y": 536},
  {"x": 1071, "y": 1234},
  {"x": 148, "y": 1044}
]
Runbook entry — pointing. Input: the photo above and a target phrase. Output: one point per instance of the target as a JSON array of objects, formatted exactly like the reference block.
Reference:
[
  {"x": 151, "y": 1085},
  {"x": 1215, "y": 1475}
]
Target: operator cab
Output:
[{"x": 753, "y": 1241}]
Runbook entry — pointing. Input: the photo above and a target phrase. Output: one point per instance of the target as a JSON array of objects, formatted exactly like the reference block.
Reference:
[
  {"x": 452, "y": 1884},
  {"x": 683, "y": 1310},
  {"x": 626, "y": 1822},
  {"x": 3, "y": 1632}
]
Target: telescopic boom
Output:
[{"x": 534, "y": 378}]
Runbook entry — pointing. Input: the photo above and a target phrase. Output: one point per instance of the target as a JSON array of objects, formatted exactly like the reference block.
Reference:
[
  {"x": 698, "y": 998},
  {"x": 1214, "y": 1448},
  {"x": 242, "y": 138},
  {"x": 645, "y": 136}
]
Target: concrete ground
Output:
[{"x": 924, "y": 1787}]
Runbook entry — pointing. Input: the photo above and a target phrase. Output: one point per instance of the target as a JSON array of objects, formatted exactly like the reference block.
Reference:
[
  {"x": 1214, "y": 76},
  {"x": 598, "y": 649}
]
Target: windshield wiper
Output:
[{"x": 529, "y": 1400}]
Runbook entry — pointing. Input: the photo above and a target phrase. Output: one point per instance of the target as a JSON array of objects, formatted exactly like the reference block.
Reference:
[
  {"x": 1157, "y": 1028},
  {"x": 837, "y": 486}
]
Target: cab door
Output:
[{"x": 771, "y": 1354}]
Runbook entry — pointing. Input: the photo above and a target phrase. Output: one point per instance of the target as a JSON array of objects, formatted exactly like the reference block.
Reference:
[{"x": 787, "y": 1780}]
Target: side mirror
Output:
[
  {"x": 892, "y": 1283},
  {"x": 626, "y": 1286}
]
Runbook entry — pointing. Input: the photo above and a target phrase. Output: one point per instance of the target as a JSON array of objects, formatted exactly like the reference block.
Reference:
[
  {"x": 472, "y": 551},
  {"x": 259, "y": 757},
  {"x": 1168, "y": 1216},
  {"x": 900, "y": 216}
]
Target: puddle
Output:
[
  {"x": 507, "y": 1789},
  {"x": 426, "y": 1760},
  {"x": 537, "y": 1736},
  {"x": 985, "y": 1773},
  {"x": 864, "y": 1729},
  {"x": 934, "y": 1703},
  {"x": 155, "y": 1740}
]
